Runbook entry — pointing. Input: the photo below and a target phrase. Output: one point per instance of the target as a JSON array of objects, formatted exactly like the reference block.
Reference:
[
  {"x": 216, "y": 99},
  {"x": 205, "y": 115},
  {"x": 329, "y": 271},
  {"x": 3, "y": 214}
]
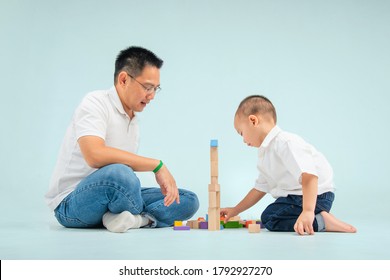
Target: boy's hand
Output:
[
  {"x": 228, "y": 213},
  {"x": 304, "y": 223},
  {"x": 168, "y": 186}
]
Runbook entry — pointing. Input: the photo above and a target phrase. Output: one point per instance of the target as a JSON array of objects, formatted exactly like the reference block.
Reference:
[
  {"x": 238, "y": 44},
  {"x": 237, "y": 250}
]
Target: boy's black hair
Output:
[{"x": 256, "y": 104}]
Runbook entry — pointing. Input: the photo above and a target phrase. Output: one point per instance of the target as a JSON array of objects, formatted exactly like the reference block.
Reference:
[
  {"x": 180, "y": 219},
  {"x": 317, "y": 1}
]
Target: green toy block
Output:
[{"x": 232, "y": 224}]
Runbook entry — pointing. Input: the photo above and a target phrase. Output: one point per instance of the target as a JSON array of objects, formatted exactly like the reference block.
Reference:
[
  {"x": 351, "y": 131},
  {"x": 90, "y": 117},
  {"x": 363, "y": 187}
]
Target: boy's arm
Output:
[
  {"x": 305, "y": 220},
  {"x": 248, "y": 201}
]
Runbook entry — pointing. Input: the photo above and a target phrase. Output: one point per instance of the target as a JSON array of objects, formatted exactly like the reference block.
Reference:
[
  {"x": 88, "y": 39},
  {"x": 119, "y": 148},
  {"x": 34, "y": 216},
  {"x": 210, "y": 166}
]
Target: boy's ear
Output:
[{"x": 254, "y": 120}]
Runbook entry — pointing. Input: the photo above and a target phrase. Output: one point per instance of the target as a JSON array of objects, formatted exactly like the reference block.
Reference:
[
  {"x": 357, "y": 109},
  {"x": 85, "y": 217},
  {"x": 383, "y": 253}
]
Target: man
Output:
[{"x": 94, "y": 183}]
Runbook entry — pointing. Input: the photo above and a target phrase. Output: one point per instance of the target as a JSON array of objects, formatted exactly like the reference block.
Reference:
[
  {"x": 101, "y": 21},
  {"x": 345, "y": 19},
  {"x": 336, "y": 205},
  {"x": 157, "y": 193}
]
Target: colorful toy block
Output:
[
  {"x": 233, "y": 224},
  {"x": 260, "y": 223},
  {"x": 247, "y": 223},
  {"x": 181, "y": 228},
  {"x": 214, "y": 143},
  {"x": 177, "y": 223},
  {"x": 203, "y": 225}
]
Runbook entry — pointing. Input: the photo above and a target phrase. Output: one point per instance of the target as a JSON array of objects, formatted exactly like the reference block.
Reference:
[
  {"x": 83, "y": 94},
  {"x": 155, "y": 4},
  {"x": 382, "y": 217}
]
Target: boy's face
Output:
[{"x": 249, "y": 129}]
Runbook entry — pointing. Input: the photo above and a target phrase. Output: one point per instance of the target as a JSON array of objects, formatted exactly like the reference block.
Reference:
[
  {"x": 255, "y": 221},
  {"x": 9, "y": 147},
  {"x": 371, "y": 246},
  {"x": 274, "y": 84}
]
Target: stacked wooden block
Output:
[{"x": 214, "y": 189}]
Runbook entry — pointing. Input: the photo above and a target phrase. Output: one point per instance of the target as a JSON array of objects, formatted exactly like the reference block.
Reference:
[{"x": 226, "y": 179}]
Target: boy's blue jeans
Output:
[
  {"x": 116, "y": 188},
  {"x": 284, "y": 212}
]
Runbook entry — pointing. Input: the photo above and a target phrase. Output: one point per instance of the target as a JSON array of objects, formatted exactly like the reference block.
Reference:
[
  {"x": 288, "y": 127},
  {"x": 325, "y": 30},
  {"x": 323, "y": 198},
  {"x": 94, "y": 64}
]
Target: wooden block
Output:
[
  {"x": 213, "y": 154},
  {"x": 254, "y": 228},
  {"x": 214, "y": 180},
  {"x": 213, "y": 219},
  {"x": 194, "y": 224},
  {"x": 247, "y": 223},
  {"x": 214, "y": 187},
  {"x": 177, "y": 223},
  {"x": 181, "y": 228},
  {"x": 214, "y": 168},
  {"x": 213, "y": 199}
]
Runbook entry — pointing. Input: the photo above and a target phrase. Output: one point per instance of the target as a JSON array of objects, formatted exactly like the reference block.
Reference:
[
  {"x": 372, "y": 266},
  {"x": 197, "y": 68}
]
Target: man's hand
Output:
[{"x": 168, "y": 186}]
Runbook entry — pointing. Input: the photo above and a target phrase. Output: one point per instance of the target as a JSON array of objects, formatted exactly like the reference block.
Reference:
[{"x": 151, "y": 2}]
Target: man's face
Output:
[{"x": 140, "y": 90}]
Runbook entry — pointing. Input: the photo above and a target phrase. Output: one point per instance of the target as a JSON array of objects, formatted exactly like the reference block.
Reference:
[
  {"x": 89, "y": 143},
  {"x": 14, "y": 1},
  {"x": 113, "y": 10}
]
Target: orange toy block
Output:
[{"x": 247, "y": 223}]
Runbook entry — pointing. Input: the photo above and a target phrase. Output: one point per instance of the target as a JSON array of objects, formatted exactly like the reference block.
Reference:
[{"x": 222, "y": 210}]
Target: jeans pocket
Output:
[{"x": 69, "y": 222}]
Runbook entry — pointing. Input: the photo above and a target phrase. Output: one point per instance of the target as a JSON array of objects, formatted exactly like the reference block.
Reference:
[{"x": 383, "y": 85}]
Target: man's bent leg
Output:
[
  {"x": 165, "y": 216},
  {"x": 114, "y": 188}
]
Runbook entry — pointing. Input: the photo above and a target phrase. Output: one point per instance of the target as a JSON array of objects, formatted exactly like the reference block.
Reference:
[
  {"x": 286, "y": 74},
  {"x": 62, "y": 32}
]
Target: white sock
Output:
[{"x": 123, "y": 221}]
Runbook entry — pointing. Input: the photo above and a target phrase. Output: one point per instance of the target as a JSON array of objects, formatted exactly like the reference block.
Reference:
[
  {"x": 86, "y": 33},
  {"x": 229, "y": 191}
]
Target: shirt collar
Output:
[
  {"x": 270, "y": 136},
  {"x": 114, "y": 97}
]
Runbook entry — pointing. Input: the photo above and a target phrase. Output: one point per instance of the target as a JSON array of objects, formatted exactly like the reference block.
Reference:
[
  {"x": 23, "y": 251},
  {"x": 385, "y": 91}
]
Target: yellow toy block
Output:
[{"x": 177, "y": 223}]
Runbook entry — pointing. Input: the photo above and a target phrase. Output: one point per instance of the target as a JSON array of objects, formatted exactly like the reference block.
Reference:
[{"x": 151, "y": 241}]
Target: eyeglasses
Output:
[{"x": 148, "y": 90}]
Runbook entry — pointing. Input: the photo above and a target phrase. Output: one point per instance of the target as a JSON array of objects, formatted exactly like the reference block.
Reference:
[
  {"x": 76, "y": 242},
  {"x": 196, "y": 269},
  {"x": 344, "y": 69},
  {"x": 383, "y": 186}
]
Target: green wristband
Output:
[{"x": 158, "y": 167}]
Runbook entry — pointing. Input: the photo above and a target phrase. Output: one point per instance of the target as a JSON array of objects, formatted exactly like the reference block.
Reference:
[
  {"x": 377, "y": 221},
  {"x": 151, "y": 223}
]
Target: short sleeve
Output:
[
  {"x": 91, "y": 118},
  {"x": 299, "y": 158},
  {"x": 261, "y": 184}
]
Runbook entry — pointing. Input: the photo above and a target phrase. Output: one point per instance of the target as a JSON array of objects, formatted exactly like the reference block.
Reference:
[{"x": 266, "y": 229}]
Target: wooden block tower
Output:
[{"x": 214, "y": 189}]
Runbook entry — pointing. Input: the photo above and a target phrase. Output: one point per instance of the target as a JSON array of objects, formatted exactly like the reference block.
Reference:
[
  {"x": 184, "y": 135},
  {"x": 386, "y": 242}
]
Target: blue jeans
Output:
[
  {"x": 284, "y": 212},
  {"x": 116, "y": 188}
]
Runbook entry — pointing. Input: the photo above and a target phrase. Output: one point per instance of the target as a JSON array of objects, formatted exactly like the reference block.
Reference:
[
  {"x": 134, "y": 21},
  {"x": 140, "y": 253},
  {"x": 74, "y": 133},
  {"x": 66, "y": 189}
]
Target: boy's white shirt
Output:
[{"x": 283, "y": 157}]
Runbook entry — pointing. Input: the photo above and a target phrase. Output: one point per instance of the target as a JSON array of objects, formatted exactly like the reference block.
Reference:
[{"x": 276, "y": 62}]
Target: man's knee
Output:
[{"x": 121, "y": 174}]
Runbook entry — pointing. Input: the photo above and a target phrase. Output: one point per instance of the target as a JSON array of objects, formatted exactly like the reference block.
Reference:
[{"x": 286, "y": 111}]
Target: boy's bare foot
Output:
[{"x": 332, "y": 224}]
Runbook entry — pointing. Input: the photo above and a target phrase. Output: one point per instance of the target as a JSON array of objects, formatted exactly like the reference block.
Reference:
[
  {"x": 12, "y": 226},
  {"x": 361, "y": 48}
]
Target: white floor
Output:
[{"x": 37, "y": 236}]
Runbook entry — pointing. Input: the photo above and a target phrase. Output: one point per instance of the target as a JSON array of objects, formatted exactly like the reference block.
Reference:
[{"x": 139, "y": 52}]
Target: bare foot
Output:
[{"x": 332, "y": 224}]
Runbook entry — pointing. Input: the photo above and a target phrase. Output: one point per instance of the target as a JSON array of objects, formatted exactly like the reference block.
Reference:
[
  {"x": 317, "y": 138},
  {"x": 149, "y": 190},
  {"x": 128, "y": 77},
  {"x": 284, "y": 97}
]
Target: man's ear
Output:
[
  {"x": 254, "y": 120},
  {"x": 122, "y": 77}
]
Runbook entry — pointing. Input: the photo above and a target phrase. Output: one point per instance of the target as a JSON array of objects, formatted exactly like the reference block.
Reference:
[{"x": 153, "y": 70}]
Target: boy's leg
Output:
[
  {"x": 165, "y": 216},
  {"x": 113, "y": 188},
  {"x": 284, "y": 212},
  {"x": 326, "y": 221}
]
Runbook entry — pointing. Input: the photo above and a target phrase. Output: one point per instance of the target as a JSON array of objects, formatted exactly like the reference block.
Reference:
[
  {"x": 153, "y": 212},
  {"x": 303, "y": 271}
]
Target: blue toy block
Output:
[{"x": 214, "y": 143}]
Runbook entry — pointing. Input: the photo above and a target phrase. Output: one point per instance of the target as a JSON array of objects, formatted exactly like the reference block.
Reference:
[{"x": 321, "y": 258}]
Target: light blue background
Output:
[{"x": 324, "y": 64}]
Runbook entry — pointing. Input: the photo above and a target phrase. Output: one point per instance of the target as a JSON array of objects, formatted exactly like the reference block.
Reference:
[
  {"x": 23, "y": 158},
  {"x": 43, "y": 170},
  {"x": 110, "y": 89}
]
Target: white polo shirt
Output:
[
  {"x": 283, "y": 157},
  {"x": 100, "y": 114}
]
